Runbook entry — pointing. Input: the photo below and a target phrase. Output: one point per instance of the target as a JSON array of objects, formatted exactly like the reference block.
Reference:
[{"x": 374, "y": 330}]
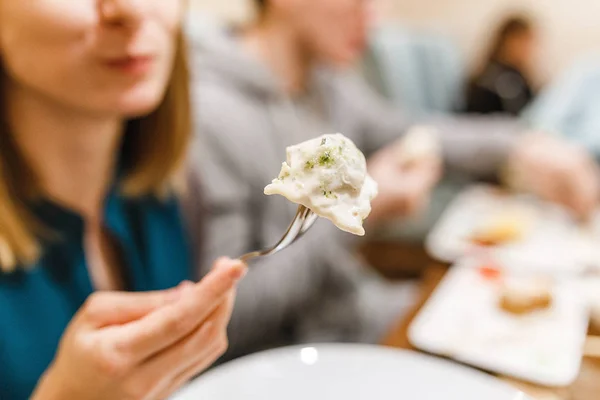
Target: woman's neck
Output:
[
  {"x": 74, "y": 155},
  {"x": 278, "y": 47}
]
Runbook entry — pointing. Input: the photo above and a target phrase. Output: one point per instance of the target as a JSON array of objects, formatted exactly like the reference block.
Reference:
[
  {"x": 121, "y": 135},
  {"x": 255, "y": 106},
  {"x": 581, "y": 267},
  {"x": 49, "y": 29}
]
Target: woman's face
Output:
[
  {"x": 335, "y": 31},
  {"x": 105, "y": 57},
  {"x": 521, "y": 48}
]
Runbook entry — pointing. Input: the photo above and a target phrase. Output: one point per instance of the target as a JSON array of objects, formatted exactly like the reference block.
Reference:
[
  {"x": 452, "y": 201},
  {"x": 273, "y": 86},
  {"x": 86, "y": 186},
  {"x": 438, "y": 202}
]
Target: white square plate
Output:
[
  {"x": 552, "y": 244},
  {"x": 462, "y": 321}
]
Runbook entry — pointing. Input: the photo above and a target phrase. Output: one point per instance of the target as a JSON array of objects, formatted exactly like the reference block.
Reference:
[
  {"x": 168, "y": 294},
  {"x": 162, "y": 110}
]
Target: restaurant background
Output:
[
  {"x": 475, "y": 121},
  {"x": 418, "y": 251},
  {"x": 569, "y": 28}
]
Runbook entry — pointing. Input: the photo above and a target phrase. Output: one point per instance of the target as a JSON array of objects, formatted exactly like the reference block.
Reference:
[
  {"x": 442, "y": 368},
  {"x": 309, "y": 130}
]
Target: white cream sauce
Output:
[{"x": 329, "y": 176}]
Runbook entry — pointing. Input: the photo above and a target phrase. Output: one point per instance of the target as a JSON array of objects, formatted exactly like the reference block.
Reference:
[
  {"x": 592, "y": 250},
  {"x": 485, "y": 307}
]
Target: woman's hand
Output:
[
  {"x": 557, "y": 171},
  {"x": 143, "y": 346}
]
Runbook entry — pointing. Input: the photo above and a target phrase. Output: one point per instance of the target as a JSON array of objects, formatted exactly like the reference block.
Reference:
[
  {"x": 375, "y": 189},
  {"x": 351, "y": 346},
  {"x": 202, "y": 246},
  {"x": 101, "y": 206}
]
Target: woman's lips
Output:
[{"x": 131, "y": 65}]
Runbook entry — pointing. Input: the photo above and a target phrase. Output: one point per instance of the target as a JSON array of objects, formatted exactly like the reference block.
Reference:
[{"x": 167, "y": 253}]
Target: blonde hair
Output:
[{"x": 157, "y": 145}]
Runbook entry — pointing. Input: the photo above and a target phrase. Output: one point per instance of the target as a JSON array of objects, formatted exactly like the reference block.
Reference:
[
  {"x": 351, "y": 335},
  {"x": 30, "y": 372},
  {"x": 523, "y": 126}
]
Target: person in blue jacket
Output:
[{"x": 95, "y": 260}]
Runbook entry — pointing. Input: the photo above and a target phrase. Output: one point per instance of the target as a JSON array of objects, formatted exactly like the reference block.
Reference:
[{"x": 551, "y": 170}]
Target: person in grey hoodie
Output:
[{"x": 280, "y": 82}]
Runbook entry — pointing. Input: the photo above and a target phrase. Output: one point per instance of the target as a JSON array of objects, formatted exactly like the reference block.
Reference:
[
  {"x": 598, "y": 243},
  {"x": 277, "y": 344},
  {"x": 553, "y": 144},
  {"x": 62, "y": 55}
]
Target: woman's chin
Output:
[
  {"x": 137, "y": 106},
  {"x": 136, "y": 101},
  {"x": 139, "y": 110}
]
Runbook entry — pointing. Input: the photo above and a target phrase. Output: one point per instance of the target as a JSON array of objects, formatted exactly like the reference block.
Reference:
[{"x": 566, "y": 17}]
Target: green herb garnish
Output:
[
  {"x": 284, "y": 175},
  {"x": 326, "y": 160},
  {"x": 329, "y": 194}
]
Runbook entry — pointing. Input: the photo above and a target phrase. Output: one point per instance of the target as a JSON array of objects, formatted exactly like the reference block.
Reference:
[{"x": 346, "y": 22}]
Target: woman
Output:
[
  {"x": 95, "y": 127},
  {"x": 284, "y": 79},
  {"x": 502, "y": 85}
]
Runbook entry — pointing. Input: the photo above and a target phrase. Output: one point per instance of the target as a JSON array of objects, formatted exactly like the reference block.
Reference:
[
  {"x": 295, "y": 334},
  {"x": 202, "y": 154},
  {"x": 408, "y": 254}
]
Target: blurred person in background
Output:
[
  {"x": 569, "y": 105},
  {"x": 502, "y": 85},
  {"x": 284, "y": 79},
  {"x": 95, "y": 126}
]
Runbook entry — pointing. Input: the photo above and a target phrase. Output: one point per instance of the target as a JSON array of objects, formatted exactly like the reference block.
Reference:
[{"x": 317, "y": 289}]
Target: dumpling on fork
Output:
[{"x": 329, "y": 176}]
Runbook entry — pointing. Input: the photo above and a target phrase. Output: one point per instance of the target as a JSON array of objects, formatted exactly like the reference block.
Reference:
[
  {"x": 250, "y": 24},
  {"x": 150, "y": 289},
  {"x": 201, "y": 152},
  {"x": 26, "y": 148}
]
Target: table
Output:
[{"x": 587, "y": 386}]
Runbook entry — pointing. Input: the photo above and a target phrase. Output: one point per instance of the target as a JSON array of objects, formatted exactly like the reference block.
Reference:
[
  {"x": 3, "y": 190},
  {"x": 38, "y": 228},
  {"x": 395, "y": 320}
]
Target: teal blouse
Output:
[{"x": 37, "y": 304}]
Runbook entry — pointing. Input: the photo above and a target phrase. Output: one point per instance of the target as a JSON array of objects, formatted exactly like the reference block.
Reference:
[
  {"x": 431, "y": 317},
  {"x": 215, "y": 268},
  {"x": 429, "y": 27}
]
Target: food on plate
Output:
[
  {"x": 490, "y": 272},
  {"x": 500, "y": 229},
  {"x": 329, "y": 176},
  {"x": 419, "y": 142},
  {"x": 524, "y": 296}
]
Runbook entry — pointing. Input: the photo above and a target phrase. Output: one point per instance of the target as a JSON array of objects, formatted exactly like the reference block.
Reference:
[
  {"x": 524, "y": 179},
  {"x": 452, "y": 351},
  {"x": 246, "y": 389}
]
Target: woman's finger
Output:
[
  {"x": 224, "y": 312},
  {"x": 114, "y": 308},
  {"x": 190, "y": 373},
  {"x": 220, "y": 319},
  {"x": 168, "y": 325},
  {"x": 205, "y": 361},
  {"x": 196, "y": 349},
  {"x": 153, "y": 379}
]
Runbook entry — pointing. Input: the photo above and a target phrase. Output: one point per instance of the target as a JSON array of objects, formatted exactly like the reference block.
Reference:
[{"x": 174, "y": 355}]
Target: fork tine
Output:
[
  {"x": 296, "y": 229},
  {"x": 310, "y": 220}
]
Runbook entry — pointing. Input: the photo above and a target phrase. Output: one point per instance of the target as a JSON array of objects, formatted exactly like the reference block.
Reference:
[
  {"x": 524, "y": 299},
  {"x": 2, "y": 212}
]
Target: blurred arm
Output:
[{"x": 476, "y": 145}]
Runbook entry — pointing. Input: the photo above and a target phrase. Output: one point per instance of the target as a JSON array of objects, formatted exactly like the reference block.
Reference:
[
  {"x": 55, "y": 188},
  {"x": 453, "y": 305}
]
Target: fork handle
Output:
[{"x": 249, "y": 256}]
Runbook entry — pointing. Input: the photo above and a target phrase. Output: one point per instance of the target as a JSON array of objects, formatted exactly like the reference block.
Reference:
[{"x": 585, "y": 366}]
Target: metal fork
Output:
[{"x": 302, "y": 222}]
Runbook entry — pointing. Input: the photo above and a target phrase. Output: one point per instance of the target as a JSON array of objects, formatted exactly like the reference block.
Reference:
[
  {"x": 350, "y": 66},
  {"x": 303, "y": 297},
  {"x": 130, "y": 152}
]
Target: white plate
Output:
[
  {"x": 348, "y": 372},
  {"x": 462, "y": 321},
  {"x": 553, "y": 243}
]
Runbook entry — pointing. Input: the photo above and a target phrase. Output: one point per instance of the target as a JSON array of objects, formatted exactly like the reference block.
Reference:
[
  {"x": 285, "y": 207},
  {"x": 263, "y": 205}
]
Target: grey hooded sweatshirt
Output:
[{"x": 316, "y": 290}]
